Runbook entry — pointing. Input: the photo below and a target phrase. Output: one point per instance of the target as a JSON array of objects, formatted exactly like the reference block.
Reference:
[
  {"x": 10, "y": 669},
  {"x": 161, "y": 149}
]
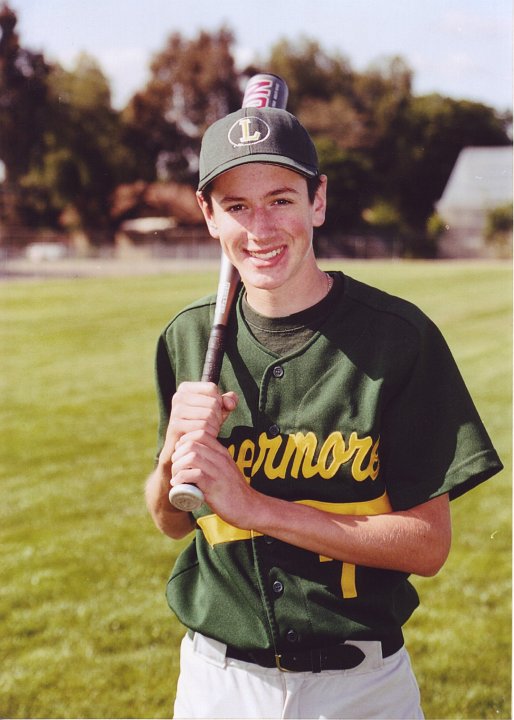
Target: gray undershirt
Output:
[{"x": 284, "y": 335}]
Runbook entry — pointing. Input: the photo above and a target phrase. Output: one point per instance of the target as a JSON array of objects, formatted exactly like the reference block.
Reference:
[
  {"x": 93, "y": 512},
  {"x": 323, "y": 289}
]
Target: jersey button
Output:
[
  {"x": 278, "y": 371},
  {"x": 274, "y": 430},
  {"x": 292, "y": 636},
  {"x": 278, "y": 587}
]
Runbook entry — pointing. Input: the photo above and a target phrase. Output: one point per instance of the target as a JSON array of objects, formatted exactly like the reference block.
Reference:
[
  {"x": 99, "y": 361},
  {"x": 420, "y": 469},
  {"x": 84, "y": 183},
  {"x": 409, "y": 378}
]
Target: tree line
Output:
[{"x": 387, "y": 152}]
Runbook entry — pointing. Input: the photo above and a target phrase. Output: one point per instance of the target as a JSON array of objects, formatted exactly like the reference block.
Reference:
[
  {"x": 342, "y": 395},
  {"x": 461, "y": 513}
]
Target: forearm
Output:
[
  {"x": 414, "y": 541},
  {"x": 170, "y": 521}
]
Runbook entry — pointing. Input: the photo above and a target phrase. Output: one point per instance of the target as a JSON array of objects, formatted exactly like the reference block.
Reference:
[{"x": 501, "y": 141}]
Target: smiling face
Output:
[{"x": 264, "y": 220}]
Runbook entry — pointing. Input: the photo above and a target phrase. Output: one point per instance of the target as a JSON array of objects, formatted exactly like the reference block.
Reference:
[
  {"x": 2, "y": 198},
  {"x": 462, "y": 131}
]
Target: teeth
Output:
[{"x": 266, "y": 255}]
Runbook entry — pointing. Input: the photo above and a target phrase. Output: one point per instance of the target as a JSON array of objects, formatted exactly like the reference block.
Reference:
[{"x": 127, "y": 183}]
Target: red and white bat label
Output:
[{"x": 265, "y": 91}]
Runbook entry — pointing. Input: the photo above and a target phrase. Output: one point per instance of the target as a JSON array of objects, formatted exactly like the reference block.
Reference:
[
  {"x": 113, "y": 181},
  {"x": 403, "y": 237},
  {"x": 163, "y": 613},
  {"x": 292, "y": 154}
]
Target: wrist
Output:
[{"x": 260, "y": 512}]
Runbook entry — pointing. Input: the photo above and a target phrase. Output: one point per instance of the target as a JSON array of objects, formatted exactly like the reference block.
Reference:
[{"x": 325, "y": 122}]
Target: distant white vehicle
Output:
[
  {"x": 45, "y": 251},
  {"x": 148, "y": 224}
]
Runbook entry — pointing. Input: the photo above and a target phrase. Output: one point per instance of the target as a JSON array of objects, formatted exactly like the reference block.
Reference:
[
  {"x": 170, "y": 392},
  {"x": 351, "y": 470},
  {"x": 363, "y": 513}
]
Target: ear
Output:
[
  {"x": 206, "y": 208},
  {"x": 319, "y": 206}
]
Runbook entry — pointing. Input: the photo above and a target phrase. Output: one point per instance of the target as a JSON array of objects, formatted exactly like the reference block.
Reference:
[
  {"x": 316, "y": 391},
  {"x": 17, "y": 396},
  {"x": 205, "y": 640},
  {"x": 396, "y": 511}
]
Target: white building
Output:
[{"x": 481, "y": 181}]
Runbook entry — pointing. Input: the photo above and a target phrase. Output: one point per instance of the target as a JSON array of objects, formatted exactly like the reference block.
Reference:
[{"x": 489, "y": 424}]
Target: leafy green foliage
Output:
[
  {"x": 23, "y": 94},
  {"x": 85, "y": 628},
  {"x": 311, "y": 73},
  {"x": 192, "y": 84},
  {"x": 498, "y": 228},
  {"x": 80, "y": 158},
  {"x": 350, "y": 182}
]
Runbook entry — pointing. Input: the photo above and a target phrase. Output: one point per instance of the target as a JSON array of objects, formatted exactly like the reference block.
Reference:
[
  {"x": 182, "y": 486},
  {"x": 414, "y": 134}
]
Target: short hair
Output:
[{"x": 313, "y": 184}]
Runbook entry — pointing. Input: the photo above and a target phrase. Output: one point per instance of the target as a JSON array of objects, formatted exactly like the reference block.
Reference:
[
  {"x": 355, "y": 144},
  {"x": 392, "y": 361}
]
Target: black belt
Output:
[{"x": 335, "y": 657}]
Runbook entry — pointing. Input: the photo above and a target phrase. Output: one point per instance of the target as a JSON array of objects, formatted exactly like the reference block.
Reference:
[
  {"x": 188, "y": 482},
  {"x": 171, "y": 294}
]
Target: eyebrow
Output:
[{"x": 273, "y": 193}]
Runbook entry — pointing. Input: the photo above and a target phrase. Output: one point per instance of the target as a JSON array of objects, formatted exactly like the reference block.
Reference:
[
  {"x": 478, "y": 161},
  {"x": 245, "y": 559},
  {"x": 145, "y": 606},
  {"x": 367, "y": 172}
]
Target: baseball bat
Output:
[{"x": 262, "y": 90}]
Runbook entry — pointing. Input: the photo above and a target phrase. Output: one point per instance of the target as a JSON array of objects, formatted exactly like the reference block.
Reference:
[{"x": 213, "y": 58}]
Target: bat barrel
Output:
[{"x": 266, "y": 90}]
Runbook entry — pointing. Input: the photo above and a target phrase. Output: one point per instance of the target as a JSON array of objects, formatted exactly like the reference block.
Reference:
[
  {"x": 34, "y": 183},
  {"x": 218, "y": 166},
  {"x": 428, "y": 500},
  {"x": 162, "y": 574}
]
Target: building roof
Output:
[{"x": 480, "y": 180}]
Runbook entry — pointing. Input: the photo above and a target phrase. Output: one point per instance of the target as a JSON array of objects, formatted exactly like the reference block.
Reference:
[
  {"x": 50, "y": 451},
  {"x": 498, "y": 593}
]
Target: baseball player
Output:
[{"x": 328, "y": 454}]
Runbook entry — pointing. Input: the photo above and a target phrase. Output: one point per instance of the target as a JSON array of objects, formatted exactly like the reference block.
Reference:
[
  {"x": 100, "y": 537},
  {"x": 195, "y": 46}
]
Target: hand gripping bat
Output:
[{"x": 263, "y": 90}]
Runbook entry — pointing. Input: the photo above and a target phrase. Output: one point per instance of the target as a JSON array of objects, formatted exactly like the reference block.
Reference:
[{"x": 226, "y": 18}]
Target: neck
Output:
[{"x": 291, "y": 297}]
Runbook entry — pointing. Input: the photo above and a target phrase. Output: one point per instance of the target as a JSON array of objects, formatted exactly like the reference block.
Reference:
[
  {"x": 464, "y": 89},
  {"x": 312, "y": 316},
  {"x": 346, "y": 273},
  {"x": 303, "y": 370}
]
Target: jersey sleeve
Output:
[
  {"x": 433, "y": 439},
  {"x": 165, "y": 387}
]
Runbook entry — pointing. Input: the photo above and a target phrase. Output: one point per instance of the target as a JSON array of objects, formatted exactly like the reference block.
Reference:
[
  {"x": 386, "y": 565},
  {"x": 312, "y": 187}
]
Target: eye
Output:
[{"x": 235, "y": 208}]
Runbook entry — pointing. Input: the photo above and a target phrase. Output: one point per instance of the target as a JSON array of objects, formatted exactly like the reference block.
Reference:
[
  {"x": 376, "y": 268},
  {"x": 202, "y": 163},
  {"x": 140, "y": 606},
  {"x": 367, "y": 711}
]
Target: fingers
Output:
[
  {"x": 199, "y": 406},
  {"x": 196, "y": 458},
  {"x": 196, "y": 398},
  {"x": 229, "y": 403},
  {"x": 195, "y": 407},
  {"x": 193, "y": 447},
  {"x": 201, "y": 460}
]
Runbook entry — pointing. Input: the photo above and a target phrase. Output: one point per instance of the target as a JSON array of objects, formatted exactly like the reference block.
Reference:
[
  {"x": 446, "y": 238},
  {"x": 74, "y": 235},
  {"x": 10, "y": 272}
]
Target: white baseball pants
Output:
[{"x": 211, "y": 685}]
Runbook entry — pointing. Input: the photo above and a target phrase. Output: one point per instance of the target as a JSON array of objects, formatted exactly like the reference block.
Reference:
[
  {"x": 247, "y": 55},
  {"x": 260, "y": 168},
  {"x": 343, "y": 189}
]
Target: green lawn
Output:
[{"x": 86, "y": 632}]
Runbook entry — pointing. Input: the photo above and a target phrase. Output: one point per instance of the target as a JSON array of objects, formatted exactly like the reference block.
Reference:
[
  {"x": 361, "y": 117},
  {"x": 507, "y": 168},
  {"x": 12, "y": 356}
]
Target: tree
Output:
[
  {"x": 81, "y": 157},
  {"x": 192, "y": 84},
  {"x": 498, "y": 229},
  {"x": 23, "y": 104},
  {"x": 350, "y": 183},
  {"x": 437, "y": 128},
  {"x": 311, "y": 73}
]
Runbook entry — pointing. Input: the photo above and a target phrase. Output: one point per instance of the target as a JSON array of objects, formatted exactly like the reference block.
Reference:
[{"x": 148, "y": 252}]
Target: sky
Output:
[{"x": 459, "y": 48}]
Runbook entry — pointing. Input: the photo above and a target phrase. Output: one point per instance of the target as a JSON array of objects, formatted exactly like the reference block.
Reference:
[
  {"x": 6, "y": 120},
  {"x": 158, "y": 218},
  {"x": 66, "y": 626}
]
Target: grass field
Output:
[{"x": 85, "y": 630}]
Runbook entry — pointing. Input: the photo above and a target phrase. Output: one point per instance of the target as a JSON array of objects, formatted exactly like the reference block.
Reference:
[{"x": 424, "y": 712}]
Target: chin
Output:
[{"x": 261, "y": 280}]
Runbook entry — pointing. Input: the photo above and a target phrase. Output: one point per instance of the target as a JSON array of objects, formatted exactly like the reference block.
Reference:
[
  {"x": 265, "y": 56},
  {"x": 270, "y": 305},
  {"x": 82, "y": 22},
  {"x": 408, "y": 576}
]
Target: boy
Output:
[{"x": 328, "y": 456}]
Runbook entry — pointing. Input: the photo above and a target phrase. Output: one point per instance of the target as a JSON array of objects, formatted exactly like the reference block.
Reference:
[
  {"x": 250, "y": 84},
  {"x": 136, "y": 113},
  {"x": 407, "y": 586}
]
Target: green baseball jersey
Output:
[{"x": 369, "y": 416}]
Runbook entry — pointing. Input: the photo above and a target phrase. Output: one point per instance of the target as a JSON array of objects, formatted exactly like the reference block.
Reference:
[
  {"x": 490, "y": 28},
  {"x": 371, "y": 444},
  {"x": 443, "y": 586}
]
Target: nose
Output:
[{"x": 261, "y": 226}]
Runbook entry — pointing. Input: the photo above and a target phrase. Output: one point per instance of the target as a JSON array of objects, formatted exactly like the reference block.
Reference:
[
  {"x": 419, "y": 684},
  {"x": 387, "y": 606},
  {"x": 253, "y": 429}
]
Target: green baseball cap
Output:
[{"x": 265, "y": 135}]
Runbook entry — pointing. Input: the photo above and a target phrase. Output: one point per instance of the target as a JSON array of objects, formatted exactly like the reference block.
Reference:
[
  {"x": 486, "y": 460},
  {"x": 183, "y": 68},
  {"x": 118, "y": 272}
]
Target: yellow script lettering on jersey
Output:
[{"x": 295, "y": 456}]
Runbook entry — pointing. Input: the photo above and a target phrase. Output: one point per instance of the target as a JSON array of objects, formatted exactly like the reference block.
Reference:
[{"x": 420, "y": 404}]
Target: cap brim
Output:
[{"x": 270, "y": 159}]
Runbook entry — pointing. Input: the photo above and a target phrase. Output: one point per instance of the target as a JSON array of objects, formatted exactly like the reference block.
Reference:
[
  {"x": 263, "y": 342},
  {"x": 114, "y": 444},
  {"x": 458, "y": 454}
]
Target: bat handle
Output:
[{"x": 214, "y": 355}]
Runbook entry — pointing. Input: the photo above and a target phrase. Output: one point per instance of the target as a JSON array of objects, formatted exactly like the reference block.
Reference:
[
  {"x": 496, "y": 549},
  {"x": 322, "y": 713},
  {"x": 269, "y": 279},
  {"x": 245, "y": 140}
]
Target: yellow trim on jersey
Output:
[
  {"x": 218, "y": 531},
  {"x": 378, "y": 506},
  {"x": 348, "y": 586}
]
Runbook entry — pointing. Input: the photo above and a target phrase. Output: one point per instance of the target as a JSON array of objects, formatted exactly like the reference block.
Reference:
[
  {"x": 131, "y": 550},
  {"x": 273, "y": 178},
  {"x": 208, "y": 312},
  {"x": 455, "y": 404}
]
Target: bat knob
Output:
[{"x": 186, "y": 497}]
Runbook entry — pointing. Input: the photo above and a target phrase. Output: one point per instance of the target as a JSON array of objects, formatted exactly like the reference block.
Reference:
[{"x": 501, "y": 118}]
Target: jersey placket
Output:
[{"x": 276, "y": 587}]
